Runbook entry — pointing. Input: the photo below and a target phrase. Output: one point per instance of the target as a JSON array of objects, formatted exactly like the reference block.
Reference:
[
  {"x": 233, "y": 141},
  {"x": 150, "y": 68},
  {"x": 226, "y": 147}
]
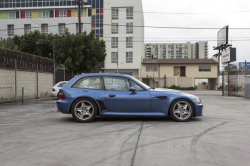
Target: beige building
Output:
[
  {"x": 180, "y": 72},
  {"x": 198, "y": 50}
]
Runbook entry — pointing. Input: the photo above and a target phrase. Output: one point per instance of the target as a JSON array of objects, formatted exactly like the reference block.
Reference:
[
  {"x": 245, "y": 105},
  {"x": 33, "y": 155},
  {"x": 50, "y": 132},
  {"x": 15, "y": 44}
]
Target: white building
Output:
[
  {"x": 121, "y": 36},
  {"x": 198, "y": 50},
  {"x": 112, "y": 21}
]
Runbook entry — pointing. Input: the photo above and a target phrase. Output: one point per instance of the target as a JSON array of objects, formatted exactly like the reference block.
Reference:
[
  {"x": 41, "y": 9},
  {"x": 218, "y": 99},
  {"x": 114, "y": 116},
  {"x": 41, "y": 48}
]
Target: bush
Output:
[{"x": 181, "y": 88}]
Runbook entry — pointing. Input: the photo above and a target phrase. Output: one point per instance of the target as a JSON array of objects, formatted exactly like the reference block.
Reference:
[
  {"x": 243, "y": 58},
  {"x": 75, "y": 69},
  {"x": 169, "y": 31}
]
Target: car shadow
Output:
[{"x": 130, "y": 119}]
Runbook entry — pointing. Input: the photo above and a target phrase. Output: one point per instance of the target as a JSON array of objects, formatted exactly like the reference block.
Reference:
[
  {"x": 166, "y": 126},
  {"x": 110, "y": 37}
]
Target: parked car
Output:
[
  {"x": 87, "y": 96},
  {"x": 55, "y": 89}
]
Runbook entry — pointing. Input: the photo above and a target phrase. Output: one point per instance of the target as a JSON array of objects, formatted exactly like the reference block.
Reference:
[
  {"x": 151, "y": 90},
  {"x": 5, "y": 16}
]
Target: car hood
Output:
[{"x": 170, "y": 92}]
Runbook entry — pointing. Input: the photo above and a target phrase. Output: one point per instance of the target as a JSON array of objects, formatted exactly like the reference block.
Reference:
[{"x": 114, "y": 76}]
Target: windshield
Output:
[{"x": 146, "y": 86}]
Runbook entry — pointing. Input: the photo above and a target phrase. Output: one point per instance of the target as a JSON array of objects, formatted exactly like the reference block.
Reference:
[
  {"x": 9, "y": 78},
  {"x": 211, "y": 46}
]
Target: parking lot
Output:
[{"x": 36, "y": 134}]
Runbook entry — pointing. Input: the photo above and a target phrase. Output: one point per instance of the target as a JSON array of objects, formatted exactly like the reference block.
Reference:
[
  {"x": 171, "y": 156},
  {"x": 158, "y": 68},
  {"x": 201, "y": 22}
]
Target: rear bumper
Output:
[
  {"x": 64, "y": 105},
  {"x": 198, "y": 110}
]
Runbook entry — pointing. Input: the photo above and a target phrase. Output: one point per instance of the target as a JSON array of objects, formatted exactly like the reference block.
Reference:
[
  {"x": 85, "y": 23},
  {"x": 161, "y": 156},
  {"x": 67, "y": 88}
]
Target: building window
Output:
[
  {"x": 204, "y": 68},
  {"x": 77, "y": 27},
  {"x": 81, "y": 13},
  {"x": 27, "y": 28},
  {"x": 129, "y": 42},
  {"x": 44, "y": 28},
  {"x": 151, "y": 68},
  {"x": 28, "y": 14},
  {"x": 46, "y": 14},
  {"x": 114, "y": 42},
  {"x": 115, "y": 13},
  {"x": 62, "y": 13},
  {"x": 129, "y": 13},
  {"x": 114, "y": 57},
  {"x": 115, "y": 28},
  {"x": 10, "y": 30},
  {"x": 129, "y": 27},
  {"x": 129, "y": 57},
  {"x": 61, "y": 29},
  {"x": 12, "y": 15}
]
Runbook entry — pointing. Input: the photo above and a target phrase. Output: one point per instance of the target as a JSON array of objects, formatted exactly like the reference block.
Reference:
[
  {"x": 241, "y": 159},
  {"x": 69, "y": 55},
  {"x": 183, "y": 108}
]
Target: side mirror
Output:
[{"x": 132, "y": 89}]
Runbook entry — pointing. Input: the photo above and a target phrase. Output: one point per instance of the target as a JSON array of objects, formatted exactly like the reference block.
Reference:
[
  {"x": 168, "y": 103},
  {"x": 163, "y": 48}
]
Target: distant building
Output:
[
  {"x": 112, "y": 21},
  {"x": 198, "y": 50},
  {"x": 180, "y": 72}
]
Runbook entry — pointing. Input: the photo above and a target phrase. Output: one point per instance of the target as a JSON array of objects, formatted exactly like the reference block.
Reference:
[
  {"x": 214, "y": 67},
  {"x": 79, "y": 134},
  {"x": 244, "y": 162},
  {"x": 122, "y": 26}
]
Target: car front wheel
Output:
[
  {"x": 84, "y": 110},
  {"x": 181, "y": 110}
]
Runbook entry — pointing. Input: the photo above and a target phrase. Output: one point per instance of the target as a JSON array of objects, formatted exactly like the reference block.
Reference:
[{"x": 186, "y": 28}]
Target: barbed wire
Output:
[{"x": 12, "y": 59}]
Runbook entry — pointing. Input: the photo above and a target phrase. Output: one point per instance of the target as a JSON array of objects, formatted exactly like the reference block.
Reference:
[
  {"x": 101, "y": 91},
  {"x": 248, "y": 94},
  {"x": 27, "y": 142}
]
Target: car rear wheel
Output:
[
  {"x": 181, "y": 110},
  {"x": 84, "y": 110}
]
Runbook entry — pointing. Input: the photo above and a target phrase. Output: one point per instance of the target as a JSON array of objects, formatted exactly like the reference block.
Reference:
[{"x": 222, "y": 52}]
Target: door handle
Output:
[{"x": 112, "y": 95}]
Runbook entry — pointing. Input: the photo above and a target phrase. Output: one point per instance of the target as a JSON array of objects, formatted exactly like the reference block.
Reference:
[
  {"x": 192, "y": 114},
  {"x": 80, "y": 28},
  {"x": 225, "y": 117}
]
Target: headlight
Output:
[{"x": 198, "y": 100}]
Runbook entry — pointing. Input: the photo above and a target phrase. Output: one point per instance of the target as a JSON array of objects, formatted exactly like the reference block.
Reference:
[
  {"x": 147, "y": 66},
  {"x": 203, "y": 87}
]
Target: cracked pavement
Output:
[{"x": 36, "y": 134}]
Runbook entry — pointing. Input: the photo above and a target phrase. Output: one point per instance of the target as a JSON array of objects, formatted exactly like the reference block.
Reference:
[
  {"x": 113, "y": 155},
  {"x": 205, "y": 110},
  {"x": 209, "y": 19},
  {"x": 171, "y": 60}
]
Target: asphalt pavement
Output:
[{"x": 34, "y": 133}]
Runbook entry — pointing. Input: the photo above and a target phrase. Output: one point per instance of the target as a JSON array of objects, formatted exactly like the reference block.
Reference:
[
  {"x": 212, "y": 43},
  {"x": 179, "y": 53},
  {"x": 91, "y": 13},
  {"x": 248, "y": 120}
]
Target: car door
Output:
[{"x": 120, "y": 99}]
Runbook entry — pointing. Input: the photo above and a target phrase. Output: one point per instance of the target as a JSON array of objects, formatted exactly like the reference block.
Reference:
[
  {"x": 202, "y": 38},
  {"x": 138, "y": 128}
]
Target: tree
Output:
[
  {"x": 80, "y": 52},
  {"x": 9, "y": 44},
  {"x": 35, "y": 43}
]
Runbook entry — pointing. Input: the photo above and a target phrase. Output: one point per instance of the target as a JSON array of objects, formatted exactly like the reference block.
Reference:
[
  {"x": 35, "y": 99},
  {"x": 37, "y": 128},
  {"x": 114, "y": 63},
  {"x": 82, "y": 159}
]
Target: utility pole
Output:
[{"x": 80, "y": 4}]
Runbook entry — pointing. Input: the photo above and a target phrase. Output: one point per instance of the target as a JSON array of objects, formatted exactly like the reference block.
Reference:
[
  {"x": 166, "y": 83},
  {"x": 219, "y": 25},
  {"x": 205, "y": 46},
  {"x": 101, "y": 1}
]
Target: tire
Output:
[
  {"x": 58, "y": 96},
  {"x": 178, "y": 111},
  {"x": 84, "y": 113}
]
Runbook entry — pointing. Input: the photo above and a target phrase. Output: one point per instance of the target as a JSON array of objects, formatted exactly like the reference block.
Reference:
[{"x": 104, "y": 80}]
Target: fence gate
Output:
[{"x": 234, "y": 83}]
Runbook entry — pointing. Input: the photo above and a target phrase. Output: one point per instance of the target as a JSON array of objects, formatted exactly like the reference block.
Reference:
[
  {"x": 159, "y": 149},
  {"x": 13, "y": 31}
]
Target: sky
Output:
[{"x": 200, "y": 14}]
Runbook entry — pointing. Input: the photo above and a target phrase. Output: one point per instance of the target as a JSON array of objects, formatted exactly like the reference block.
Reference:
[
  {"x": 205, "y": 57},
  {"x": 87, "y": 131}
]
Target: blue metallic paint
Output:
[{"x": 143, "y": 103}]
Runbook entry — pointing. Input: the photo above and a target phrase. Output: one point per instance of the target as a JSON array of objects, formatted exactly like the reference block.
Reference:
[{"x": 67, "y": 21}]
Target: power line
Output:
[
  {"x": 145, "y": 26},
  {"x": 189, "y": 13}
]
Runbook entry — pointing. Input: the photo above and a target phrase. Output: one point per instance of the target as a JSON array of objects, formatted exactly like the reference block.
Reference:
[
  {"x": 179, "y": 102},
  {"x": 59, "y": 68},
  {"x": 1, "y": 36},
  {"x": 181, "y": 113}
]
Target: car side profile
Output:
[{"x": 90, "y": 95}]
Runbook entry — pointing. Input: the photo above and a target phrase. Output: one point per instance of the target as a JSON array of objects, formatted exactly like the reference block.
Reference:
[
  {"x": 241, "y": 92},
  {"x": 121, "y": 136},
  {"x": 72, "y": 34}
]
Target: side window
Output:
[
  {"x": 136, "y": 86},
  {"x": 116, "y": 84},
  {"x": 88, "y": 83}
]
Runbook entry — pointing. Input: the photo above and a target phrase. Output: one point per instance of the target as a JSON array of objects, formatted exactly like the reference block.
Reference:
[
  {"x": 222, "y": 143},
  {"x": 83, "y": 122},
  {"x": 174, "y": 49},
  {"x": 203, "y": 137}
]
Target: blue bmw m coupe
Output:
[{"x": 90, "y": 95}]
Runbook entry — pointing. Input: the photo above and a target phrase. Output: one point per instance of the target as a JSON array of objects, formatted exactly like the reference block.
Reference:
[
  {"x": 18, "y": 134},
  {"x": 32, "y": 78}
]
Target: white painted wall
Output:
[{"x": 138, "y": 34}]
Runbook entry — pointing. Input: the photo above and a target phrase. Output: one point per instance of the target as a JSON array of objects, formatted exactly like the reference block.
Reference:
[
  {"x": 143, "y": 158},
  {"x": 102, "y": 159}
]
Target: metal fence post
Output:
[
  {"x": 15, "y": 81},
  {"x": 147, "y": 80},
  {"x": 165, "y": 81},
  {"x": 36, "y": 80},
  {"x": 223, "y": 84},
  {"x": 22, "y": 94},
  {"x": 153, "y": 80}
]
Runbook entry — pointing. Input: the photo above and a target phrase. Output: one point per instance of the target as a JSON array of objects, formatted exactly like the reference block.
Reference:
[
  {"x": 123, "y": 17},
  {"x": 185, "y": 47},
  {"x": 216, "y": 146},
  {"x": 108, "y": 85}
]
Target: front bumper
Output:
[
  {"x": 198, "y": 110},
  {"x": 64, "y": 105}
]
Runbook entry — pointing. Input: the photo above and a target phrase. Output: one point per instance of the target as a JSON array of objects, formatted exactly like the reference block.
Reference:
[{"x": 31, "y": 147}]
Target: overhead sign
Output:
[
  {"x": 222, "y": 36},
  {"x": 228, "y": 55}
]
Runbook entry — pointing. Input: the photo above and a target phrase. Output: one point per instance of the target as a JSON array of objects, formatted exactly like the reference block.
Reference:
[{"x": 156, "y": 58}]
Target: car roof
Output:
[{"x": 104, "y": 74}]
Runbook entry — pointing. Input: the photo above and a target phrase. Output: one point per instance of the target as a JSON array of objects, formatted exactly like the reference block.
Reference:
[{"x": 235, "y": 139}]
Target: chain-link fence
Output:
[{"x": 236, "y": 83}]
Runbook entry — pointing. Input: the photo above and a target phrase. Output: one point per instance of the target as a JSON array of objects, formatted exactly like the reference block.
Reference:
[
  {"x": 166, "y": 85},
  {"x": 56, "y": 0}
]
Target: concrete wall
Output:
[{"x": 25, "y": 79}]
